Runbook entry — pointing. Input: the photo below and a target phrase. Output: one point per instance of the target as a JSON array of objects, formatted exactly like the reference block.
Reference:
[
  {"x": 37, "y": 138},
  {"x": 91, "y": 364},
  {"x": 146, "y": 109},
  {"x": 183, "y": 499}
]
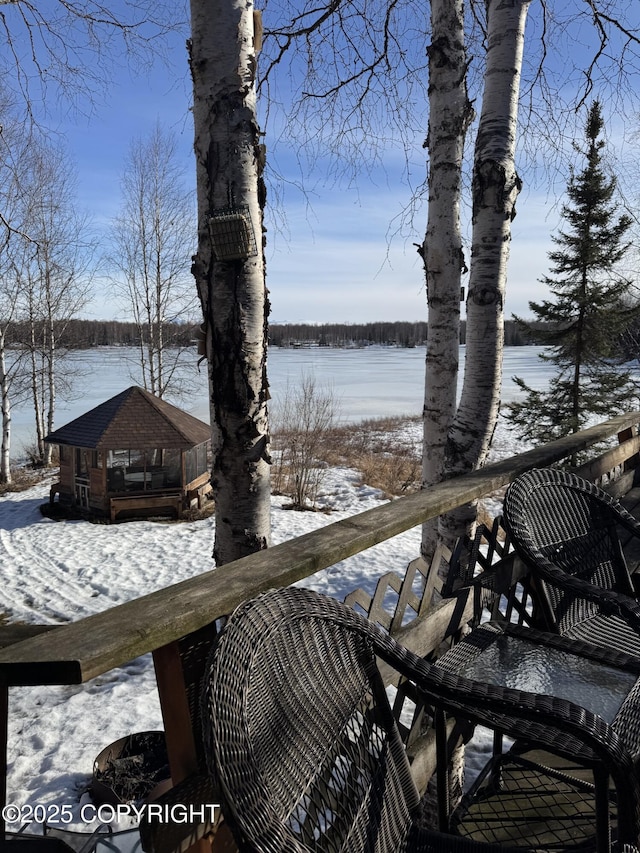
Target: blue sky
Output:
[
  {"x": 335, "y": 257},
  {"x": 338, "y": 257}
]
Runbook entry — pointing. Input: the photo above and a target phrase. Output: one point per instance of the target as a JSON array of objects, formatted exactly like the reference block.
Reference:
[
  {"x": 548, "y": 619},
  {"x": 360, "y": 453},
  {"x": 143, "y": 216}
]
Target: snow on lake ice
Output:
[{"x": 367, "y": 383}]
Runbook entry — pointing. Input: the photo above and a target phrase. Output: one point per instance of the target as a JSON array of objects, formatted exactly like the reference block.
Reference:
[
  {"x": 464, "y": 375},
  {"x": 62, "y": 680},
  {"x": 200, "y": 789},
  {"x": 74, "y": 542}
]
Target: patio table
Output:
[{"x": 575, "y": 676}]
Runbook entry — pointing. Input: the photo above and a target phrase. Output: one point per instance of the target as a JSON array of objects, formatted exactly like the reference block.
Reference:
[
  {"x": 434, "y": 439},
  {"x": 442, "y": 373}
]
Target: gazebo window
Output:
[
  {"x": 82, "y": 463},
  {"x": 118, "y": 459},
  {"x": 143, "y": 470},
  {"x": 196, "y": 462},
  {"x": 172, "y": 468},
  {"x": 137, "y": 459},
  {"x": 154, "y": 458}
]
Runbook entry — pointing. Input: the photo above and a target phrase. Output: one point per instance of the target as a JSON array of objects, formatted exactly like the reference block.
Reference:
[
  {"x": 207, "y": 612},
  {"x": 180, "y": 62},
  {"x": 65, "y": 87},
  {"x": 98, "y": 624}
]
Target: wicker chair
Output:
[
  {"x": 302, "y": 743},
  {"x": 565, "y": 529}
]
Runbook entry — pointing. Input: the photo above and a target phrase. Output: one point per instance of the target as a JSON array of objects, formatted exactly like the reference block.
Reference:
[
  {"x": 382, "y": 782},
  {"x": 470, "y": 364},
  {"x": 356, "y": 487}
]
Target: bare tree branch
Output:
[
  {"x": 73, "y": 47},
  {"x": 65, "y": 51}
]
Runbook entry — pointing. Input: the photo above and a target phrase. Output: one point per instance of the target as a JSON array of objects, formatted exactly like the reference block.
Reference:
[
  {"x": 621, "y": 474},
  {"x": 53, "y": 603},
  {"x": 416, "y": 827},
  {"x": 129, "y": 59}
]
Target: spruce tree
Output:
[{"x": 591, "y": 307}]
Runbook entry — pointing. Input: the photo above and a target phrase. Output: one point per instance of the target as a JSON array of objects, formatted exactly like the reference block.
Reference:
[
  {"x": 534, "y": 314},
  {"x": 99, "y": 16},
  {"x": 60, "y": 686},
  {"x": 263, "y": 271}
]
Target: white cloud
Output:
[{"x": 339, "y": 264}]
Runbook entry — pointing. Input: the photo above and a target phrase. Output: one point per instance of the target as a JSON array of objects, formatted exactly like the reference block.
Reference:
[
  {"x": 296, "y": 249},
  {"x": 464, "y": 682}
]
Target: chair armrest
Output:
[
  {"x": 627, "y": 520},
  {"x": 612, "y": 603}
]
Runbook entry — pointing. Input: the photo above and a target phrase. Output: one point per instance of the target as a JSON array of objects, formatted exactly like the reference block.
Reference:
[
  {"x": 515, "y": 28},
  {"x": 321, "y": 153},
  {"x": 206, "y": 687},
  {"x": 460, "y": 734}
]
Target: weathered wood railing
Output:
[{"x": 79, "y": 651}]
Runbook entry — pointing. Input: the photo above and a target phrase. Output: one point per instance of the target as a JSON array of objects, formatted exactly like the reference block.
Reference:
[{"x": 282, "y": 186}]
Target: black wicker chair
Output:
[
  {"x": 566, "y": 531},
  {"x": 302, "y": 743}
]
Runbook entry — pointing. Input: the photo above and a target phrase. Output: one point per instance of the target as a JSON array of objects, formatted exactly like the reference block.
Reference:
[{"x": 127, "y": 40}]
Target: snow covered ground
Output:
[{"x": 62, "y": 571}]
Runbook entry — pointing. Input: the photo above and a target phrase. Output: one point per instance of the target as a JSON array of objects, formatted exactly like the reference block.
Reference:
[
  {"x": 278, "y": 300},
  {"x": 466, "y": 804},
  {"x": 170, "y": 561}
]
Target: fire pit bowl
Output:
[{"x": 132, "y": 768}]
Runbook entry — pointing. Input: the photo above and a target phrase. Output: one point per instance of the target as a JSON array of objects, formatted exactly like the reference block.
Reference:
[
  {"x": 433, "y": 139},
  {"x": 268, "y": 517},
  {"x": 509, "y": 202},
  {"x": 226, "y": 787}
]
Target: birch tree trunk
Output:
[
  {"x": 152, "y": 241},
  {"x": 495, "y": 188},
  {"x": 450, "y": 114},
  {"x": 36, "y": 373},
  {"x": 5, "y": 450},
  {"x": 232, "y": 291},
  {"x": 50, "y": 348}
]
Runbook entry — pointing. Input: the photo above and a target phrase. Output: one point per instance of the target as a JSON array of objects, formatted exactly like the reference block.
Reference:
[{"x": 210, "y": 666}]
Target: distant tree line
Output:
[
  {"x": 402, "y": 334},
  {"x": 347, "y": 334},
  {"x": 85, "y": 334}
]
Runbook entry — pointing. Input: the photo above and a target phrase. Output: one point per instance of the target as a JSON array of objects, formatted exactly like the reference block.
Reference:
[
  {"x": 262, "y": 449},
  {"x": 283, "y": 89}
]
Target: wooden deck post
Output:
[
  {"x": 178, "y": 730},
  {"x": 181, "y": 748}
]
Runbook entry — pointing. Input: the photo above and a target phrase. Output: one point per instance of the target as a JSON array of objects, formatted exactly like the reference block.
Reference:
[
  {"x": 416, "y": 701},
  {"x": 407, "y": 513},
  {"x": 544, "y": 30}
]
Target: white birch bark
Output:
[
  {"x": 5, "y": 450},
  {"x": 51, "y": 345},
  {"x": 449, "y": 115},
  {"x": 153, "y": 239},
  {"x": 232, "y": 293},
  {"x": 36, "y": 374},
  {"x": 495, "y": 188}
]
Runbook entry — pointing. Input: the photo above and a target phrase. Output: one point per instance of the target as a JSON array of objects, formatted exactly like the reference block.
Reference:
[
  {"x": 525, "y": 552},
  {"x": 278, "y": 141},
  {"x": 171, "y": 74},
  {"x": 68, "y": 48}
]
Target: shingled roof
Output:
[{"x": 133, "y": 419}]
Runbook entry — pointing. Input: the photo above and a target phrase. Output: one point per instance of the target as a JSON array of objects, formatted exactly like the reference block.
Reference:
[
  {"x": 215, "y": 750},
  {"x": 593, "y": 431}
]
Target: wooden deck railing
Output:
[{"x": 79, "y": 651}]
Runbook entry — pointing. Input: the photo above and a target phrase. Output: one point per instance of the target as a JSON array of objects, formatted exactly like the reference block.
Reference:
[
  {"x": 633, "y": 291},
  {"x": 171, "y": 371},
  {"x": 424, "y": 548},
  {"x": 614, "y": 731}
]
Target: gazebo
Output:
[{"x": 134, "y": 455}]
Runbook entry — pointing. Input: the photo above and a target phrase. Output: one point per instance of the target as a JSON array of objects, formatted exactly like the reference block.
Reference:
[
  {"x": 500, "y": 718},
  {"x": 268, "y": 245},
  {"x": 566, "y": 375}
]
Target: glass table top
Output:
[{"x": 533, "y": 667}]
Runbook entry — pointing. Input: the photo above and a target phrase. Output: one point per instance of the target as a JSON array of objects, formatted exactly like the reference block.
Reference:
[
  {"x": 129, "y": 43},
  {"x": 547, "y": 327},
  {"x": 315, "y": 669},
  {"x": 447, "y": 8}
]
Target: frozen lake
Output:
[{"x": 367, "y": 383}]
